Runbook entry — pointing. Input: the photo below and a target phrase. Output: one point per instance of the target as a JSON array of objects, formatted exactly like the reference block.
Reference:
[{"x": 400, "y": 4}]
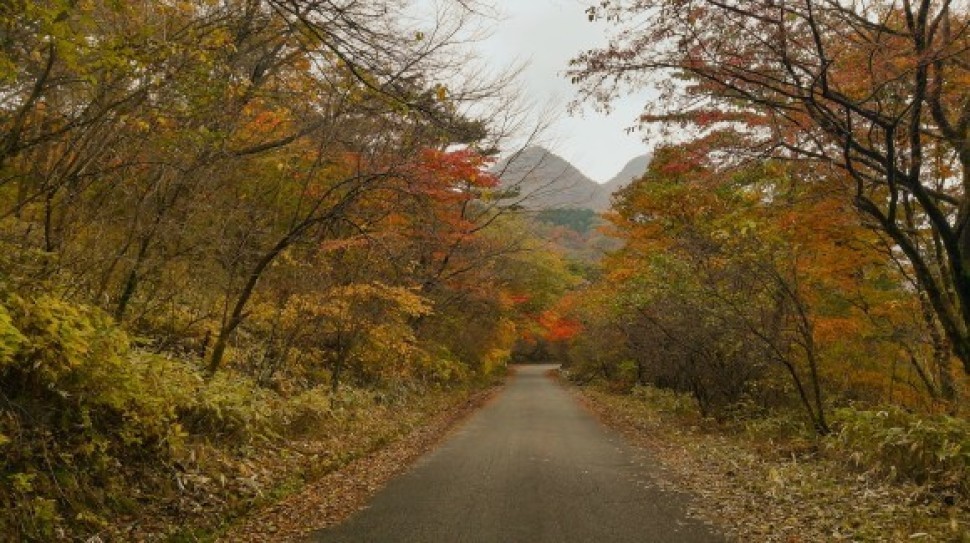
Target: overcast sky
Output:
[{"x": 546, "y": 34}]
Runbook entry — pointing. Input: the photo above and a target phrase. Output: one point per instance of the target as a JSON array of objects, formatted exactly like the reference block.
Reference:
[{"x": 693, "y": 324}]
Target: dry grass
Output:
[
  {"x": 343, "y": 490},
  {"x": 755, "y": 489}
]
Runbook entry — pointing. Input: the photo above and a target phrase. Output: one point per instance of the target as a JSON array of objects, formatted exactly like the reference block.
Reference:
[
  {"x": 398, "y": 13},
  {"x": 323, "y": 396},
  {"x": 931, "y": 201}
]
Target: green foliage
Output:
[
  {"x": 229, "y": 408},
  {"x": 65, "y": 348},
  {"x": 88, "y": 423},
  {"x": 307, "y": 412},
  {"x": 85, "y": 418},
  {"x": 72, "y": 370},
  {"x": 931, "y": 450},
  {"x": 578, "y": 220},
  {"x": 666, "y": 401},
  {"x": 442, "y": 367},
  {"x": 11, "y": 338},
  {"x": 74, "y": 406}
]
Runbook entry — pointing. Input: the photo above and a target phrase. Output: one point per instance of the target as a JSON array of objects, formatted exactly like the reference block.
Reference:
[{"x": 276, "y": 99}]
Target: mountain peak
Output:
[{"x": 545, "y": 180}]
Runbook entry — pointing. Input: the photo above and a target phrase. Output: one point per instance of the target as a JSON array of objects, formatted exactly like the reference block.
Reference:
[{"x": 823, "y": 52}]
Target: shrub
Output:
[
  {"x": 10, "y": 338},
  {"x": 74, "y": 410},
  {"x": 230, "y": 408},
  {"x": 307, "y": 412},
  {"x": 71, "y": 371},
  {"x": 933, "y": 450},
  {"x": 666, "y": 401},
  {"x": 444, "y": 368}
]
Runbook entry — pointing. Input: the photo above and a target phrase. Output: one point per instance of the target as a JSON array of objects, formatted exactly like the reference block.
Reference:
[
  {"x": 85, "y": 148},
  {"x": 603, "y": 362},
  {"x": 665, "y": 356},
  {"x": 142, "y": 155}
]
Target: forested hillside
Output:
[
  {"x": 793, "y": 276},
  {"x": 240, "y": 244}
]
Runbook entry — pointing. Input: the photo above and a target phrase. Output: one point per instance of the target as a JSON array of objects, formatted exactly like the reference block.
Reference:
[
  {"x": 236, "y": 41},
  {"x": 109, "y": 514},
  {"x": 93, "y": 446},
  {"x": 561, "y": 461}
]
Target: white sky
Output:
[{"x": 546, "y": 34}]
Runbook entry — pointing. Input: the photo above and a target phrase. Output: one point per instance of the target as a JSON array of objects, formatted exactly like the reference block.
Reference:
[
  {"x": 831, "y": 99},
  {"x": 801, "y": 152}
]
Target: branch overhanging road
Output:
[{"x": 532, "y": 466}]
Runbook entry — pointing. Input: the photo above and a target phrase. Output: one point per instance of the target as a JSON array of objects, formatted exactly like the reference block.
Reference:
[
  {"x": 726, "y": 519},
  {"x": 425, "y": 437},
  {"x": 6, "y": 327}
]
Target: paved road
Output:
[{"x": 532, "y": 466}]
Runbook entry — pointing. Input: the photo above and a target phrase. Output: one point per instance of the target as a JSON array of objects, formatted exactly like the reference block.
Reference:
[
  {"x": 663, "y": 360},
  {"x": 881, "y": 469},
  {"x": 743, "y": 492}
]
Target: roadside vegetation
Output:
[
  {"x": 245, "y": 243},
  {"x": 242, "y": 244},
  {"x": 786, "y": 322},
  {"x": 775, "y": 353},
  {"x": 756, "y": 480}
]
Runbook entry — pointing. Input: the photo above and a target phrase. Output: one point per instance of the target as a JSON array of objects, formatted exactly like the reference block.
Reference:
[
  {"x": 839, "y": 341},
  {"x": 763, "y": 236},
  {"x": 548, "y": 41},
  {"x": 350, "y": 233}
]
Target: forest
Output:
[
  {"x": 230, "y": 228},
  {"x": 794, "y": 262},
  {"x": 246, "y": 242}
]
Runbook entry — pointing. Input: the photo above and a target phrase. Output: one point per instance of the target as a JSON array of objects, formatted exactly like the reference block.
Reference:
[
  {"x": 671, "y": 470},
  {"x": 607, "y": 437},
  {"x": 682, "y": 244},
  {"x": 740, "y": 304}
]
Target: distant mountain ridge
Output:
[
  {"x": 633, "y": 170},
  {"x": 545, "y": 180}
]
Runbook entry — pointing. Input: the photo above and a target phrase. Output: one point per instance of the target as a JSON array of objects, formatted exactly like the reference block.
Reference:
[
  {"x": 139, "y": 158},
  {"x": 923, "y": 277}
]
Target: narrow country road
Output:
[{"x": 532, "y": 466}]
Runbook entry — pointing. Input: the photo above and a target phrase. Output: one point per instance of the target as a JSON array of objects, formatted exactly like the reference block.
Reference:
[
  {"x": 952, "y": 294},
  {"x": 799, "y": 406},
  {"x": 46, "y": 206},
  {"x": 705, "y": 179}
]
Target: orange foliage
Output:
[{"x": 559, "y": 327}]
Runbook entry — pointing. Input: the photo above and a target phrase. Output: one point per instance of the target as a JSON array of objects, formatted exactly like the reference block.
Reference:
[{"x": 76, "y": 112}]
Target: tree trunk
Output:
[
  {"x": 941, "y": 352},
  {"x": 238, "y": 311},
  {"x": 821, "y": 424},
  {"x": 131, "y": 283},
  {"x": 931, "y": 388}
]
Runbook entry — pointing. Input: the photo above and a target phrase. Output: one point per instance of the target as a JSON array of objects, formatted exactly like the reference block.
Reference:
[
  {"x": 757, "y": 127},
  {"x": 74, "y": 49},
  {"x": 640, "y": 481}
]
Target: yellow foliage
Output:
[{"x": 10, "y": 338}]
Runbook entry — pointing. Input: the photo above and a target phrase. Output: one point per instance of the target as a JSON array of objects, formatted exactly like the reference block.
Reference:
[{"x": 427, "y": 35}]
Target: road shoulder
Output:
[
  {"x": 340, "y": 493},
  {"x": 753, "y": 492}
]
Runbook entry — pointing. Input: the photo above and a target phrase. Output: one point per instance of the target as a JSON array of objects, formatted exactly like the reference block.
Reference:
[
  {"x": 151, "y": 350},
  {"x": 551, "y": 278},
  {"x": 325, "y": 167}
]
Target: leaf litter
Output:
[
  {"x": 759, "y": 492},
  {"x": 336, "y": 495}
]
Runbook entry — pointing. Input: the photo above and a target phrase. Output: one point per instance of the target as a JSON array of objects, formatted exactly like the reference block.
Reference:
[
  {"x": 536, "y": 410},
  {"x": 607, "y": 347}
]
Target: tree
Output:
[
  {"x": 875, "y": 88},
  {"x": 749, "y": 282},
  {"x": 148, "y": 147}
]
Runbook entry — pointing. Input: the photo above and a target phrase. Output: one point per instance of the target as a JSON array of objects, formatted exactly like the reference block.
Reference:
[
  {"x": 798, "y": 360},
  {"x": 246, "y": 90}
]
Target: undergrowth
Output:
[
  {"x": 927, "y": 450},
  {"x": 881, "y": 475},
  {"x": 98, "y": 437}
]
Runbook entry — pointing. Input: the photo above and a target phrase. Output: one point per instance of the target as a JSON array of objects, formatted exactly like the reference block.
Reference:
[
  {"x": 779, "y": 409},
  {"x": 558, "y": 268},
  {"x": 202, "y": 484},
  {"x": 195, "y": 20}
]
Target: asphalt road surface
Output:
[{"x": 532, "y": 466}]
